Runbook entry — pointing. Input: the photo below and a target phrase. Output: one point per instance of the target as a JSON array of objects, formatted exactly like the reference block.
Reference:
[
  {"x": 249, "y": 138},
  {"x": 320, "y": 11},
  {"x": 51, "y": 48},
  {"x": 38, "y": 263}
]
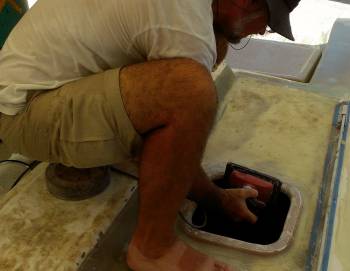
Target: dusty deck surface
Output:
[
  {"x": 45, "y": 233},
  {"x": 283, "y": 132}
]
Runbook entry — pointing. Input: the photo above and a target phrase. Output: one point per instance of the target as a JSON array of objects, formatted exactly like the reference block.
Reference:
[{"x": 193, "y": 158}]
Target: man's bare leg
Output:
[{"x": 172, "y": 103}]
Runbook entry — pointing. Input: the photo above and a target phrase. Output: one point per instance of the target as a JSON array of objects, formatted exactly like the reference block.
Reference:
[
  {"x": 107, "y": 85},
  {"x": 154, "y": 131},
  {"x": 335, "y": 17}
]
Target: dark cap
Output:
[{"x": 279, "y": 16}]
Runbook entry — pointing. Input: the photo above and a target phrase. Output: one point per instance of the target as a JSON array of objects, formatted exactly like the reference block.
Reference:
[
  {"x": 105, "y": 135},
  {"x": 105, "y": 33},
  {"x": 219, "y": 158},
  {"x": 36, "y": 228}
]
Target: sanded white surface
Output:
[
  {"x": 40, "y": 232},
  {"x": 284, "y": 132}
]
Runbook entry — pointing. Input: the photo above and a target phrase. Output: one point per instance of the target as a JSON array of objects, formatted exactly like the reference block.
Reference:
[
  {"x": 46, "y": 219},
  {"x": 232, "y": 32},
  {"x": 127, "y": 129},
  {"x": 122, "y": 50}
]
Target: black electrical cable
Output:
[
  {"x": 20, "y": 177},
  {"x": 182, "y": 216},
  {"x": 245, "y": 45},
  {"x": 15, "y": 161}
]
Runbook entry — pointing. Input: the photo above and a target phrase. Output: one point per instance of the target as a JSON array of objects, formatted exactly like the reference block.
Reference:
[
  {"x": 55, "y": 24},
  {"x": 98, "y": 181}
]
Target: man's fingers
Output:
[
  {"x": 249, "y": 216},
  {"x": 244, "y": 214},
  {"x": 238, "y": 206},
  {"x": 247, "y": 193},
  {"x": 259, "y": 204}
]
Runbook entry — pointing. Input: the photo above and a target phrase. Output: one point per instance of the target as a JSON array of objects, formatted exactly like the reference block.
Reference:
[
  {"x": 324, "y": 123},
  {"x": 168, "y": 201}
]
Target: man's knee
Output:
[
  {"x": 199, "y": 90},
  {"x": 156, "y": 91}
]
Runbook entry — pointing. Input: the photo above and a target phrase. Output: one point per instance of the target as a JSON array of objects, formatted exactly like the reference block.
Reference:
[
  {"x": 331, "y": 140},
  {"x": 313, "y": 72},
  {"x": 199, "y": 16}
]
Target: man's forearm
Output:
[{"x": 204, "y": 191}]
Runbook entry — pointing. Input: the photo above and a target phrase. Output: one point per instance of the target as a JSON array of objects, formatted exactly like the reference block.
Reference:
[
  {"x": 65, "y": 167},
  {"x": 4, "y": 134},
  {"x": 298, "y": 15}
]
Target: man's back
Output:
[{"x": 61, "y": 41}]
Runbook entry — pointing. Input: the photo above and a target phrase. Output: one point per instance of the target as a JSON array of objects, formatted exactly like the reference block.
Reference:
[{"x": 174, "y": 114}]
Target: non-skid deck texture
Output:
[
  {"x": 39, "y": 232},
  {"x": 284, "y": 132}
]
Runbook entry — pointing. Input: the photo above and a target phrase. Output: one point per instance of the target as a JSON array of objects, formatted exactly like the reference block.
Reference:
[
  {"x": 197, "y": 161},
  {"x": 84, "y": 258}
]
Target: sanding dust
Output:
[{"x": 283, "y": 132}]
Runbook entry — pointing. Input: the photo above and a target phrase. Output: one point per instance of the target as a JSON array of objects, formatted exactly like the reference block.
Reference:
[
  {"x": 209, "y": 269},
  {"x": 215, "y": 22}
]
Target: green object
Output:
[{"x": 11, "y": 11}]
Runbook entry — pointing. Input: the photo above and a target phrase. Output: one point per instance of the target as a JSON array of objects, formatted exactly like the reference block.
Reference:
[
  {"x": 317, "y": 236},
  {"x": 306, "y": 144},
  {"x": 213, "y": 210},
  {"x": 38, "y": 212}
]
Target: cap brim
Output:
[{"x": 279, "y": 18}]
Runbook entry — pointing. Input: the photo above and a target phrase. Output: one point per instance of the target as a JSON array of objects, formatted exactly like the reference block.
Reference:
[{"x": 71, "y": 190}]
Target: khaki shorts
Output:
[{"x": 81, "y": 124}]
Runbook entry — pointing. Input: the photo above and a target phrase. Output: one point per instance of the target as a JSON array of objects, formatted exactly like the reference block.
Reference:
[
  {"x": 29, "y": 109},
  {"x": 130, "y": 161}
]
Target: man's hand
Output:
[
  {"x": 233, "y": 204},
  {"x": 229, "y": 202}
]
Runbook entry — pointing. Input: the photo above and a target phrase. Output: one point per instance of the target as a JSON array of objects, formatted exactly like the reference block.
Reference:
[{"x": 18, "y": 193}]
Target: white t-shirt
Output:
[{"x": 58, "y": 41}]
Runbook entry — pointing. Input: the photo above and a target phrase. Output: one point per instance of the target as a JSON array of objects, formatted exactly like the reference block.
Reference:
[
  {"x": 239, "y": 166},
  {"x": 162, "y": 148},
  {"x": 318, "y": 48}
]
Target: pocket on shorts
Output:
[
  {"x": 84, "y": 119},
  {"x": 85, "y": 129},
  {"x": 28, "y": 132}
]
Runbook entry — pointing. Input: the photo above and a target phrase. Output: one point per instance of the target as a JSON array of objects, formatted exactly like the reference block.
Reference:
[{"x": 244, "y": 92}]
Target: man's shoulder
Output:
[
  {"x": 173, "y": 10},
  {"x": 173, "y": 28}
]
